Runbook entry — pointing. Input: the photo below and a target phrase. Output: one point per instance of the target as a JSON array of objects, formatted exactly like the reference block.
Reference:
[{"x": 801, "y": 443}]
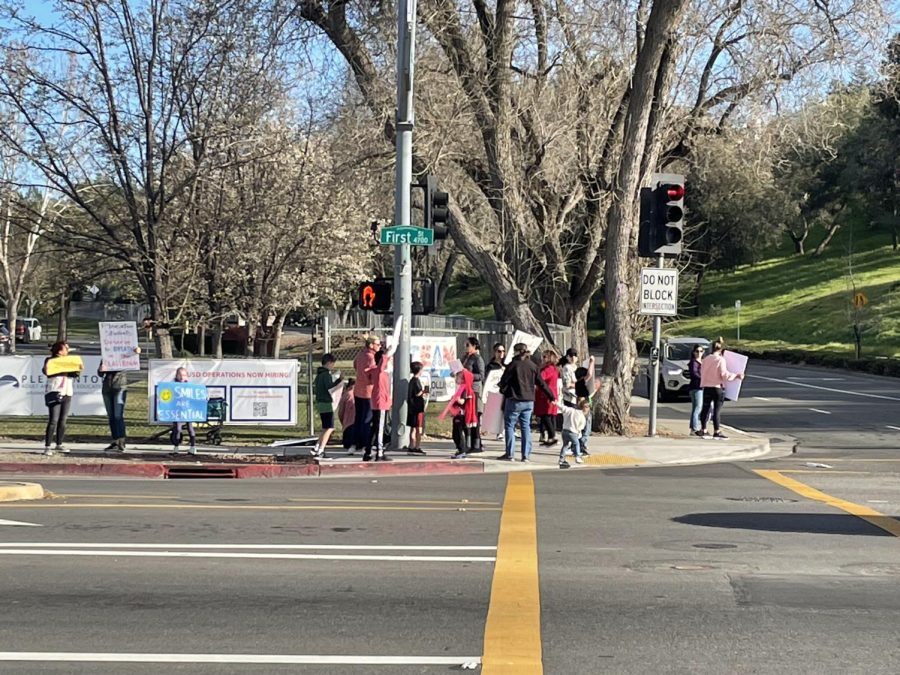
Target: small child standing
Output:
[
  {"x": 324, "y": 382},
  {"x": 181, "y": 376},
  {"x": 347, "y": 413},
  {"x": 585, "y": 388},
  {"x": 465, "y": 415},
  {"x": 415, "y": 409},
  {"x": 574, "y": 422}
]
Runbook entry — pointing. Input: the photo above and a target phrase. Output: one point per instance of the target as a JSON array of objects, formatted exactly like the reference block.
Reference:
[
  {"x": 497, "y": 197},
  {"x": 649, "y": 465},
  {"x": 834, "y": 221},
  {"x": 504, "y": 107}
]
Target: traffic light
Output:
[
  {"x": 437, "y": 208},
  {"x": 375, "y": 296},
  {"x": 661, "y": 226}
]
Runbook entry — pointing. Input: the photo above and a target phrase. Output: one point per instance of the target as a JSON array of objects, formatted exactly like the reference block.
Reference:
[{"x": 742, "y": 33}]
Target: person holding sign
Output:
[
  {"x": 714, "y": 374},
  {"x": 181, "y": 376},
  {"x": 61, "y": 370},
  {"x": 115, "y": 391}
]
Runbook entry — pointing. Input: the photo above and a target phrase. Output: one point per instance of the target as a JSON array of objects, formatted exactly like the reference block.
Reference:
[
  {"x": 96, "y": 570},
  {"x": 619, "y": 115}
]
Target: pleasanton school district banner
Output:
[
  {"x": 22, "y": 387},
  {"x": 256, "y": 391}
]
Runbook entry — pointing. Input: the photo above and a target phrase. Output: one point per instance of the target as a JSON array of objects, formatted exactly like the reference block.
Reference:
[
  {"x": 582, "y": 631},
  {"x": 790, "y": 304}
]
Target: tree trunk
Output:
[
  {"x": 446, "y": 278},
  {"x": 12, "y": 313},
  {"x": 799, "y": 239},
  {"x": 698, "y": 290},
  {"x": 62, "y": 324},
  {"x": 162, "y": 337},
  {"x": 250, "y": 343},
  {"x": 827, "y": 240},
  {"x": 578, "y": 318},
  {"x": 278, "y": 332},
  {"x": 217, "y": 338}
]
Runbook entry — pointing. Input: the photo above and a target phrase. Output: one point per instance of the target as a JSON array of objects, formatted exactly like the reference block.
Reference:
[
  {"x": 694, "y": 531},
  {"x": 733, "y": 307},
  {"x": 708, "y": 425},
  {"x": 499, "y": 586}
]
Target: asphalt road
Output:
[
  {"x": 829, "y": 413},
  {"x": 713, "y": 569}
]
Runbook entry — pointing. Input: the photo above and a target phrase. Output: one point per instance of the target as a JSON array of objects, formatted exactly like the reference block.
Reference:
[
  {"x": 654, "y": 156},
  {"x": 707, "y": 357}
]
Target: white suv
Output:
[
  {"x": 673, "y": 366},
  {"x": 33, "y": 326}
]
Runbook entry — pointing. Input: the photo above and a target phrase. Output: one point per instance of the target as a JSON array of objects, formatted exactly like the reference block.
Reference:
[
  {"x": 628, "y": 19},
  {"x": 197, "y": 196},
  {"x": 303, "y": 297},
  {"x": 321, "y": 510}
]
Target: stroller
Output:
[{"x": 216, "y": 411}]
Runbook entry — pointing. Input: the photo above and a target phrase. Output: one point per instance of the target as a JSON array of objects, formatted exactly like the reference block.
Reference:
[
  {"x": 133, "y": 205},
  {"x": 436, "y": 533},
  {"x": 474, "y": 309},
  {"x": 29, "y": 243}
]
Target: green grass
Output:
[
  {"x": 804, "y": 303},
  {"x": 470, "y": 297}
]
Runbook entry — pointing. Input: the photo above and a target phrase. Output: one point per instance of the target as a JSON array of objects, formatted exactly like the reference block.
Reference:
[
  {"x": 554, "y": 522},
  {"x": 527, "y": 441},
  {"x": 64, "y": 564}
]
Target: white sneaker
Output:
[
  {"x": 49, "y": 451},
  {"x": 578, "y": 460},
  {"x": 351, "y": 450}
]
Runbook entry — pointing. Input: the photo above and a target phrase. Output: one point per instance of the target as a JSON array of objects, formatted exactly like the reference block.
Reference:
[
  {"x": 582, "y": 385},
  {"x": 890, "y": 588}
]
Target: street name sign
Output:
[
  {"x": 659, "y": 292},
  {"x": 406, "y": 234}
]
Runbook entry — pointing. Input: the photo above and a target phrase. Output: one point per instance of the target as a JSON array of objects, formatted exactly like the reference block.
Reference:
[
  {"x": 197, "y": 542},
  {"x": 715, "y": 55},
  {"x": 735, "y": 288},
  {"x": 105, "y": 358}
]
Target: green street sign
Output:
[{"x": 406, "y": 234}]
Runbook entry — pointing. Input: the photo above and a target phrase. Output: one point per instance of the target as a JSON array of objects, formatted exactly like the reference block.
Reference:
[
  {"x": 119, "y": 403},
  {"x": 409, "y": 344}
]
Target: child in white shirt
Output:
[{"x": 574, "y": 422}]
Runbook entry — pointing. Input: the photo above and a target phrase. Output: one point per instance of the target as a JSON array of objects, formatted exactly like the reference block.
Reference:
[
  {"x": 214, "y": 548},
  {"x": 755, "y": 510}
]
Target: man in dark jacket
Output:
[{"x": 517, "y": 386}]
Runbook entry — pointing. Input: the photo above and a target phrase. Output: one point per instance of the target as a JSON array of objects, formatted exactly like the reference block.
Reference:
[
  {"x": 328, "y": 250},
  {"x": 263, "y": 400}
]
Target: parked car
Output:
[
  {"x": 4, "y": 340},
  {"x": 28, "y": 329},
  {"x": 674, "y": 378}
]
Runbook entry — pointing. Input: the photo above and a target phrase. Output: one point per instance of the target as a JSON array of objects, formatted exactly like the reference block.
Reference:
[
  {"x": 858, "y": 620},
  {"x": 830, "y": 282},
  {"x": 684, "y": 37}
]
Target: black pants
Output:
[
  {"x": 547, "y": 424},
  {"x": 57, "y": 414},
  {"x": 376, "y": 439},
  {"x": 475, "y": 436},
  {"x": 461, "y": 433},
  {"x": 713, "y": 397}
]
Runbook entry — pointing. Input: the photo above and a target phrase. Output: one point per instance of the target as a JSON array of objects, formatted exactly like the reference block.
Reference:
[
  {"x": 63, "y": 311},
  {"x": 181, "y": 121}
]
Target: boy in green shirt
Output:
[{"x": 322, "y": 385}]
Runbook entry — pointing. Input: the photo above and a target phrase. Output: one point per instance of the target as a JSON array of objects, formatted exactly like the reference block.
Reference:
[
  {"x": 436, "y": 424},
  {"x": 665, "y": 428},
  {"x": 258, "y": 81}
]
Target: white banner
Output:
[
  {"x": 735, "y": 363},
  {"x": 256, "y": 391},
  {"x": 118, "y": 342},
  {"x": 534, "y": 343},
  {"x": 435, "y": 354},
  {"x": 22, "y": 387}
]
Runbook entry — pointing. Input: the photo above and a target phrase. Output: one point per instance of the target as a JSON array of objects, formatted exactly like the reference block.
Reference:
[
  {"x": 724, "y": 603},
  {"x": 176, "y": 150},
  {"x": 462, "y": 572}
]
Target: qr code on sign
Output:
[{"x": 260, "y": 409}]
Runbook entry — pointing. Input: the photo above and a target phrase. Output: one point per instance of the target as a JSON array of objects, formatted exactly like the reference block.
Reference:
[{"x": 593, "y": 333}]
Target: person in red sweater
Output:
[
  {"x": 545, "y": 408},
  {"x": 364, "y": 365},
  {"x": 381, "y": 404}
]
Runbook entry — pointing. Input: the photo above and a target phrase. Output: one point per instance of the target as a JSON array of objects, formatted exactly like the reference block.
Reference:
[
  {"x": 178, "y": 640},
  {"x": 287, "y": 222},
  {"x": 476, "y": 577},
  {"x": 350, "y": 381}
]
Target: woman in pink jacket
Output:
[
  {"x": 713, "y": 376},
  {"x": 381, "y": 404}
]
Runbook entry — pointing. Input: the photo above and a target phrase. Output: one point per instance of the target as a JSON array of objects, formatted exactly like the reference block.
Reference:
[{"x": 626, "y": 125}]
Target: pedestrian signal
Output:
[{"x": 376, "y": 296}]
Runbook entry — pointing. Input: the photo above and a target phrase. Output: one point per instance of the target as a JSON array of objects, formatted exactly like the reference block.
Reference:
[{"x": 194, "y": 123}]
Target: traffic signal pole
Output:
[
  {"x": 406, "y": 34},
  {"x": 654, "y": 362}
]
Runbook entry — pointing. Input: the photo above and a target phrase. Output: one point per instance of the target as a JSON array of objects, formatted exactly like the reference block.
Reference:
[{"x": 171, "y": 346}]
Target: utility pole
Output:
[
  {"x": 406, "y": 49},
  {"x": 654, "y": 360}
]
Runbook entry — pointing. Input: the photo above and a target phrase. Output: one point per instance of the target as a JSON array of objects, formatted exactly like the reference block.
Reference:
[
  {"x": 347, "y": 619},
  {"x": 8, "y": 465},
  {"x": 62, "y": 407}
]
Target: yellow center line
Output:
[
  {"x": 876, "y": 518},
  {"x": 243, "y": 507},
  {"x": 512, "y": 634}
]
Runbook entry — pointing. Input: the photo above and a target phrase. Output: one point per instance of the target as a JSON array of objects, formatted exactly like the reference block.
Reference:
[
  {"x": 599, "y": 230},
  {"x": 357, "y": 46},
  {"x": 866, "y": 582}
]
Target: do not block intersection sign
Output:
[{"x": 659, "y": 292}]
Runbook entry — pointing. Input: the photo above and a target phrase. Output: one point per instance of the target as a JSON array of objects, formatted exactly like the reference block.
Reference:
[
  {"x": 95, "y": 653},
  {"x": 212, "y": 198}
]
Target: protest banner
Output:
[
  {"x": 257, "y": 391},
  {"x": 492, "y": 417},
  {"x": 64, "y": 364},
  {"x": 735, "y": 363},
  {"x": 180, "y": 402},
  {"x": 118, "y": 345},
  {"x": 435, "y": 354},
  {"x": 22, "y": 387},
  {"x": 533, "y": 342}
]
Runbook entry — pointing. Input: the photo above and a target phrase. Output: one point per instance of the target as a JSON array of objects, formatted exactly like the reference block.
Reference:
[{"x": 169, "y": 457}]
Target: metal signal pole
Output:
[{"x": 406, "y": 33}]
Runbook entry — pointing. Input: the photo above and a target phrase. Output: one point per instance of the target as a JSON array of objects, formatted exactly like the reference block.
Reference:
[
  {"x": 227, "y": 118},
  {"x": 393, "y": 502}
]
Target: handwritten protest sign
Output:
[
  {"x": 181, "y": 402},
  {"x": 64, "y": 364},
  {"x": 118, "y": 342},
  {"x": 735, "y": 363}
]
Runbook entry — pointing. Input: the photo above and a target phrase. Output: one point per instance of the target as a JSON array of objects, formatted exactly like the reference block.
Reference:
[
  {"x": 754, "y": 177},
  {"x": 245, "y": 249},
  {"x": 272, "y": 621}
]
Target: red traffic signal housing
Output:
[{"x": 376, "y": 296}]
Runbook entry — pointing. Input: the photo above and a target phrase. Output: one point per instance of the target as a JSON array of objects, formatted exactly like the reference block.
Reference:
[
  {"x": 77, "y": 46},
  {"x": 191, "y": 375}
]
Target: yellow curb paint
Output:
[
  {"x": 11, "y": 492},
  {"x": 824, "y": 472},
  {"x": 250, "y": 507},
  {"x": 512, "y": 634},
  {"x": 876, "y": 518},
  {"x": 612, "y": 459}
]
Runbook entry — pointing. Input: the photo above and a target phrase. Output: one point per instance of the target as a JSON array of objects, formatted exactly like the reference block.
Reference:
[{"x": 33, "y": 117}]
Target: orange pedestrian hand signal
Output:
[{"x": 375, "y": 296}]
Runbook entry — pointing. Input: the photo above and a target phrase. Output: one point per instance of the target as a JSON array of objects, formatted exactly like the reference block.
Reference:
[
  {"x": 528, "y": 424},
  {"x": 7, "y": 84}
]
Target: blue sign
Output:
[{"x": 180, "y": 402}]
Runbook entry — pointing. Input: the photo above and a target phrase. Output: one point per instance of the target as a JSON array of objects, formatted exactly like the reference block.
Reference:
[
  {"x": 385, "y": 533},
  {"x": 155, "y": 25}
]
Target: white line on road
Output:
[
  {"x": 306, "y": 659},
  {"x": 19, "y": 523},
  {"x": 818, "y": 379},
  {"x": 258, "y": 556},
  {"x": 831, "y": 389},
  {"x": 892, "y": 427},
  {"x": 253, "y": 547},
  {"x": 762, "y": 398},
  {"x": 824, "y": 412}
]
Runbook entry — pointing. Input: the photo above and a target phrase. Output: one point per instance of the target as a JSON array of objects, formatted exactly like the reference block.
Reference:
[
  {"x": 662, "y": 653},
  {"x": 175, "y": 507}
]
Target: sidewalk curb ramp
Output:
[{"x": 13, "y": 492}]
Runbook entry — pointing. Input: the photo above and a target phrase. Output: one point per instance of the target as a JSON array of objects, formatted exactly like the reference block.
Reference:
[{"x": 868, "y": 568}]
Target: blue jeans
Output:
[
  {"x": 517, "y": 412},
  {"x": 586, "y": 433},
  {"x": 570, "y": 440},
  {"x": 696, "y": 404},
  {"x": 115, "y": 411}
]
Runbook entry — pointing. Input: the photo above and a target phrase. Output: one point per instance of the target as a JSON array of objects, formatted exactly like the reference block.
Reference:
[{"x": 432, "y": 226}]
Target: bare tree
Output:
[{"x": 546, "y": 122}]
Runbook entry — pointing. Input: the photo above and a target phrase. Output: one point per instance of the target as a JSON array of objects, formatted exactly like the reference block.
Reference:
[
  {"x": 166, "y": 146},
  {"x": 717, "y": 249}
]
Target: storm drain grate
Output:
[
  {"x": 767, "y": 500},
  {"x": 200, "y": 472}
]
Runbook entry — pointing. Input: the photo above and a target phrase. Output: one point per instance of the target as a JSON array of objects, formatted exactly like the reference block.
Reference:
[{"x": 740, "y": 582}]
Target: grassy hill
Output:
[
  {"x": 788, "y": 302},
  {"x": 804, "y": 303}
]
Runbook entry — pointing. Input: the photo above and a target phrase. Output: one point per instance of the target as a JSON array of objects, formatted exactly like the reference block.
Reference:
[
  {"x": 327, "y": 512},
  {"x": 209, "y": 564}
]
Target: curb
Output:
[{"x": 12, "y": 492}]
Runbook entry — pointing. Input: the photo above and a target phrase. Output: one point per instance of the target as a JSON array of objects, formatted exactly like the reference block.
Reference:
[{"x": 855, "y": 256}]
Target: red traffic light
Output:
[{"x": 674, "y": 192}]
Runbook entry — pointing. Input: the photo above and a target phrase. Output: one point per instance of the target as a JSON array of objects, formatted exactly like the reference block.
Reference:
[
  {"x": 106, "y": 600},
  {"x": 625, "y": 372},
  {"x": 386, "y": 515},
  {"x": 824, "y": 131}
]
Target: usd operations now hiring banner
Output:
[{"x": 256, "y": 391}]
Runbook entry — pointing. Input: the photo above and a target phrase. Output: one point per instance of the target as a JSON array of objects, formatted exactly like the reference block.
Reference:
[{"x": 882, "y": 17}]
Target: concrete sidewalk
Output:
[{"x": 672, "y": 447}]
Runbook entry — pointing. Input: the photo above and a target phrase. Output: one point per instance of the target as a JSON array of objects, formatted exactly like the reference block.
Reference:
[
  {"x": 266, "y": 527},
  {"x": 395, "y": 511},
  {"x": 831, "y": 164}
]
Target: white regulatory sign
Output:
[{"x": 659, "y": 292}]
